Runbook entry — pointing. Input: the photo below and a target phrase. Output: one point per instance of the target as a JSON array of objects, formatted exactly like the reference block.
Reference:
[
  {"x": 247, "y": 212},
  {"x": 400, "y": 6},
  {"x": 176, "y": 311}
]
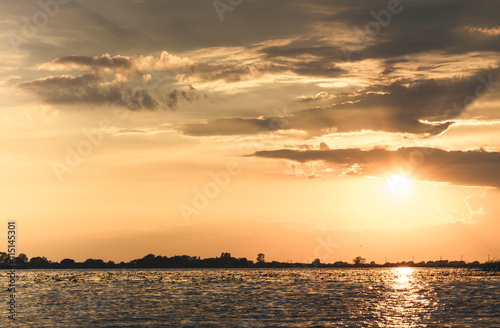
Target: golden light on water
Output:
[
  {"x": 404, "y": 274},
  {"x": 406, "y": 299},
  {"x": 403, "y": 279}
]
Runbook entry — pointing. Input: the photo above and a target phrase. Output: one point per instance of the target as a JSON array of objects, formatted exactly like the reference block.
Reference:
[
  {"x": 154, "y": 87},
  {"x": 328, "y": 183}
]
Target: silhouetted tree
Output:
[
  {"x": 148, "y": 261},
  {"x": 22, "y": 259},
  {"x": 359, "y": 260},
  {"x": 93, "y": 263},
  {"x": 67, "y": 263},
  {"x": 39, "y": 262},
  {"x": 225, "y": 261},
  {"x": 149, "y": 257},
  {"x": 4, "y": 258}
]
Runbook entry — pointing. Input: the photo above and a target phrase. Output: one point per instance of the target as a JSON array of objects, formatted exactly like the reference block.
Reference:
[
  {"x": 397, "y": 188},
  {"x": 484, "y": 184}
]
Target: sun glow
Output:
[
  {"x": 404, "y": 271},
  {"x": 398, "y": 184},
  {"x": 403, "y": 276}
]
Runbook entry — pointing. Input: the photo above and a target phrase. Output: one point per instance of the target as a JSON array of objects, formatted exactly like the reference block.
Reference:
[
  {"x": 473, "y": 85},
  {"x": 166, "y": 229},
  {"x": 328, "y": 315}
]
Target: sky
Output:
[{"x": 299, "y": 129}]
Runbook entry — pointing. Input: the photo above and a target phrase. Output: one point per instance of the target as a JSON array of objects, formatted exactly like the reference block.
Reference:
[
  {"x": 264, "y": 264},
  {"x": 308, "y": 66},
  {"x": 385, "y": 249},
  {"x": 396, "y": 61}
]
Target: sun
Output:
[{"x": 398, "y": 184}]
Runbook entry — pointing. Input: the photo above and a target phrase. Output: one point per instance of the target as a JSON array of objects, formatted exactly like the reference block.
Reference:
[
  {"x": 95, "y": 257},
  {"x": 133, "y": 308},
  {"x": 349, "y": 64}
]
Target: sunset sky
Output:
[{"x": 300, "y": 129}]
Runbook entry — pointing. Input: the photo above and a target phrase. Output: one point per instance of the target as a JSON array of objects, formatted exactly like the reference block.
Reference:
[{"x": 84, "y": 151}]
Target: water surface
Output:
[{"x": 404, "y": 297}]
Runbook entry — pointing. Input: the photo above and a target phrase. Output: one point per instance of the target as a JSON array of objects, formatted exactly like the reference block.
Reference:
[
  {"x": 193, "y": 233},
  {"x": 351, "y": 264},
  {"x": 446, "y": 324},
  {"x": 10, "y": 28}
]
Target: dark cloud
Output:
[
  {"x": 446, "y": 26},
  {"x": 474, "y": 168},
  {"x": 128, "y": 26},
  {"x": 323, "y": 146},
  {"x": 147, "y": 26},
  {"x": 173, "y": 97},
  {"x": 309, "y": 34},
  {"x": 97, "y": 62},
  {"x": 91, "y": 89},
  {"x": 88, "y": 89},
  {"x": 318, "y": 121},
  {"x": 401, "y": 107}
]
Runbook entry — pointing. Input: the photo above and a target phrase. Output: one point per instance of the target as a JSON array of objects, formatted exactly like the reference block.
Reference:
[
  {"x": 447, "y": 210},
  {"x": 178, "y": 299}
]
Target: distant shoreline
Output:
[{"x": 226, "y": 261}]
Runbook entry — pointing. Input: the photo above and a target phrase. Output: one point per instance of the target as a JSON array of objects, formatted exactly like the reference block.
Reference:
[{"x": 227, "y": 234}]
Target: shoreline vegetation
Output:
[{"x": 224, "y": 261}]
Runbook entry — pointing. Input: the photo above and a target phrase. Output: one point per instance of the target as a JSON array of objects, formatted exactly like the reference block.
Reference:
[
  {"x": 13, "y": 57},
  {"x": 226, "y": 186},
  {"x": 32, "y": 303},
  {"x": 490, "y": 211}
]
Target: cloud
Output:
[
  {"x": 166, "y": 65},
  {"x": 295, "y": 41},
  {"x": 319, "y": 121},
  {"x": 95, "y": 87},
  {"x": 91, "y": 89},
  {"x": 471, "y": 168},
  {"x": 324, "y": 146},
  {"x": 233, "y": 72},
  {"x": 342, "y": 31},
  {"x": 60, "y": 81},
  {"x": 88, "y": 89},
  {"x": 318, "y": 96},
  {"x": 420, "y": 107},
  {"x": 96, "y": 62},
  {"x": 173, "y": 97},
  {"x": 123, "y": 64},
  {"x": 491, "y": 31},
  {"x": 315, "y": 28},
  {"x": 234, "y": 126},
  {"x": 442, "y": 31}
]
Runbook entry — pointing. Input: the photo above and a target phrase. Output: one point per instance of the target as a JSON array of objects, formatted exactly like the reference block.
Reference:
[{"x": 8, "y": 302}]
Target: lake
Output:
[{"x": 389, "y": 297}]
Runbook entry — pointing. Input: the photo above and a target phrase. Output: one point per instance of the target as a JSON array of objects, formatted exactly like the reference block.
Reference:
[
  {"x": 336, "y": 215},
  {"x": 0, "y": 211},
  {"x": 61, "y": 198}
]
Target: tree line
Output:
[{"x": 225, "y": 260}]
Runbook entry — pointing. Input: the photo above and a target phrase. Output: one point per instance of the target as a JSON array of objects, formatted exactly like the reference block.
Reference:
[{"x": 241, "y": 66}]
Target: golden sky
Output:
[{"x": 298, "y": 129}]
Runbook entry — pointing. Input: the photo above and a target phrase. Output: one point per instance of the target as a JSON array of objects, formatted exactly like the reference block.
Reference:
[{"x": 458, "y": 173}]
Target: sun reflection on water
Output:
[
  {"x": 404, "y": 276},
  {"x": 405, "y": 301}
]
